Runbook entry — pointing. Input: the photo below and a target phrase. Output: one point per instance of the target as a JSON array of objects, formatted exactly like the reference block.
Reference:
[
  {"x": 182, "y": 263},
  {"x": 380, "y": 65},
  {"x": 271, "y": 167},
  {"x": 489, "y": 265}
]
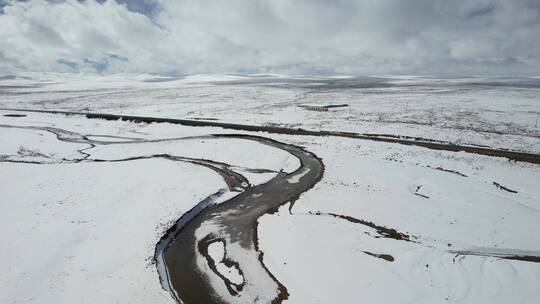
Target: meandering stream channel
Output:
[
  {"x": 186, "y": 267},
  {"x": 233, "y": 225}
]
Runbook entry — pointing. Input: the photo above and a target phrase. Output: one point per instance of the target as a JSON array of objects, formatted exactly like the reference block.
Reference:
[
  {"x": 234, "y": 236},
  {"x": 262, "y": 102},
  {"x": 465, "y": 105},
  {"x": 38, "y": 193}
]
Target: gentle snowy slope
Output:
[
  {"x": 322, "y": 258},
  {"x": 85, "y": 233}
]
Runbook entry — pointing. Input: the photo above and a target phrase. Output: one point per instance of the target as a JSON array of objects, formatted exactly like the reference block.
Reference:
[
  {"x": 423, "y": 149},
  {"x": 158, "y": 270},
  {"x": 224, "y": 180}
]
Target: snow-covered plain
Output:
[
  {"x": 76, "y": 232},
  {"x": 498, "y": 112}
]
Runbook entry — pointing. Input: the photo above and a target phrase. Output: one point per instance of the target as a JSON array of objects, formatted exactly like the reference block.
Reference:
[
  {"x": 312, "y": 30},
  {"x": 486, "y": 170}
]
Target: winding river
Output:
[
  {"x": 192, "y": 273},
  {"x": 186, "y": 268}
]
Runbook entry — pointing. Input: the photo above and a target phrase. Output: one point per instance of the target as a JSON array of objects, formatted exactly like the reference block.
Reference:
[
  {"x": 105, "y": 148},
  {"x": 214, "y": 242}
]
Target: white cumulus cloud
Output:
[{"x": 284, "y": 36}]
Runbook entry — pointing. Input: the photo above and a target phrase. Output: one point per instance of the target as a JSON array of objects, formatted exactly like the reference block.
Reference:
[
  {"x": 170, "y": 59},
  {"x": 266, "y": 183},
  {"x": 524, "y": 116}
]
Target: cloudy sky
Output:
[{"x": 427, "y": 37}]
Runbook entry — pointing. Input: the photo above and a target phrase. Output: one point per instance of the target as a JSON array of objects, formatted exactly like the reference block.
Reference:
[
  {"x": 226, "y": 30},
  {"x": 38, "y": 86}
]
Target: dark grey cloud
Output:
[
  {"x": 285, "y": 36},
  {"x": 2, "y": 4},
  {"x": 145, "y": 7}
]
